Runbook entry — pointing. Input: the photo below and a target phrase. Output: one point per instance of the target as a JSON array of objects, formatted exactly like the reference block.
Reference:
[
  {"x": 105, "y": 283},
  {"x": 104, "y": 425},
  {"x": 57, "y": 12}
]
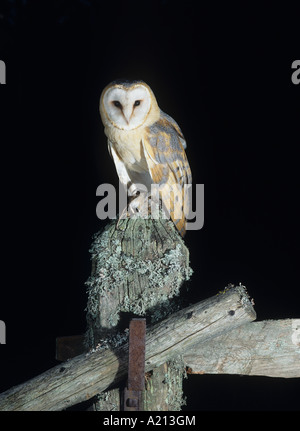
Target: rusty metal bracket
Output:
[{"x": 136, "y": 366}]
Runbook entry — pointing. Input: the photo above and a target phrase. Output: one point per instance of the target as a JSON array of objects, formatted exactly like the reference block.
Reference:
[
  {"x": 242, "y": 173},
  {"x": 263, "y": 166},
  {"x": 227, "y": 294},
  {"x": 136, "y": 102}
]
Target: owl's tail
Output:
[{"x": 175, "y": 205}]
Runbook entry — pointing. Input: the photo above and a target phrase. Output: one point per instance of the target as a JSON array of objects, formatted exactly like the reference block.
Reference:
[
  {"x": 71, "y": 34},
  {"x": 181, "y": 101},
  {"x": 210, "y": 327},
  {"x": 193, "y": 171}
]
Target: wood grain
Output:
[
  {"x": 268, "y": 348},
  {"x": 86, "y": 375}
]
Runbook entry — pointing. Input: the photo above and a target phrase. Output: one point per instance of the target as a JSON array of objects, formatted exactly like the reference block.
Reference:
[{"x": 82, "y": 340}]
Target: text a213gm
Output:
[{"x": 171, "y": 420}]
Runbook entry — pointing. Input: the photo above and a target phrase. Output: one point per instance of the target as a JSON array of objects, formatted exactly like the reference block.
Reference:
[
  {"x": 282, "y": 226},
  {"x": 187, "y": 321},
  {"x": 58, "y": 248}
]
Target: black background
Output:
[{"x": 223, "y": 72}]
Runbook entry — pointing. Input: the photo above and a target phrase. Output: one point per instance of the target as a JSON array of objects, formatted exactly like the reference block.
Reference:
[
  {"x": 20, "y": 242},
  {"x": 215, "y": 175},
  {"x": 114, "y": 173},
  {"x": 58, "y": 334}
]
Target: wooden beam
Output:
[
  {"x": 267, "y": 348},
  {"x": 88, "y": 374}
]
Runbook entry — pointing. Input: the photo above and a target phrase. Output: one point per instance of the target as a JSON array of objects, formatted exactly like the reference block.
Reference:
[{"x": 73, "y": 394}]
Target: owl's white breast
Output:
[{"x": 128, "y": 145}]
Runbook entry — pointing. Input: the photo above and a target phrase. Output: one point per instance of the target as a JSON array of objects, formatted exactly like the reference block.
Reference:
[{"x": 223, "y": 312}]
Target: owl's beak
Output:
[{"x": 127, "y": 112}]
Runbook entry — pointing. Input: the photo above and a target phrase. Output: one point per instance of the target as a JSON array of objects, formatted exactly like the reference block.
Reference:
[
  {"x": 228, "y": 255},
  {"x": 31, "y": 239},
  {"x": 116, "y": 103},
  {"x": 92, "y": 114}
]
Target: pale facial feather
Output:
[{"x": 133, "y": 106}]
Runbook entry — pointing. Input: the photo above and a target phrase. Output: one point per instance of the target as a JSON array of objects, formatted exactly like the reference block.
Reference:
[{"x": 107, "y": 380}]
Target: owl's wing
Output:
[
  {"x": 120, "y": 166},
  {"x": 164, "y": 146},
  {"x": 176, "y": 127}
]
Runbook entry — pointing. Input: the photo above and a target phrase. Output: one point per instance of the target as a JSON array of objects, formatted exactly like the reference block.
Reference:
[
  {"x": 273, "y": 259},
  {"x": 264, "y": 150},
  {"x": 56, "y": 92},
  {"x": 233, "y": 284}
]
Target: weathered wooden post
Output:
[{"x": 138, "y": 266}]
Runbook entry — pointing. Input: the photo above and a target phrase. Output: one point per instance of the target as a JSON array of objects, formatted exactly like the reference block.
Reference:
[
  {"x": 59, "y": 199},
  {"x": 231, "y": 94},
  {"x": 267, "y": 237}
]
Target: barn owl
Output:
[{"x": 147, "y": 147}]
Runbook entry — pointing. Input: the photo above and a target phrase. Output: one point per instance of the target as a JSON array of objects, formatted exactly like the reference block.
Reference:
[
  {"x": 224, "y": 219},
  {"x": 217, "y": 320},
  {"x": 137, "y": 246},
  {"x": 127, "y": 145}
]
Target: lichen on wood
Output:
[
  {"x": 138, "y": 265},
  {"x": 168, "y": 378}
]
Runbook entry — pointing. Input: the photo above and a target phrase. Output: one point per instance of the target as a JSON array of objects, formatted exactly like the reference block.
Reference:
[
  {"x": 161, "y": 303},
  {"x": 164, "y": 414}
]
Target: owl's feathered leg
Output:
[
  {"x": 137, "y": 206},
  {"x": 123, "y": 215},
  {"x": 125, "y": 211}
]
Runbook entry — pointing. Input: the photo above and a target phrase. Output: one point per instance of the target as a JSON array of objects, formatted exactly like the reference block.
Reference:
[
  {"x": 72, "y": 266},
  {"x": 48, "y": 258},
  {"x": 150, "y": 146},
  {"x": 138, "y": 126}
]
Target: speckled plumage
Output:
[{"x": 147, "y": 145}]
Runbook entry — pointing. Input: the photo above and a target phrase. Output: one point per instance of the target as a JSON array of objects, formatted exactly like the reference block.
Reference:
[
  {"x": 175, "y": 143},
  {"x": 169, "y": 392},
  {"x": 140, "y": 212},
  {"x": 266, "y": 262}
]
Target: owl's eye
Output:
[
  {"x": 137, "y": 103},
  {"x": 117, "y": 104}
]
